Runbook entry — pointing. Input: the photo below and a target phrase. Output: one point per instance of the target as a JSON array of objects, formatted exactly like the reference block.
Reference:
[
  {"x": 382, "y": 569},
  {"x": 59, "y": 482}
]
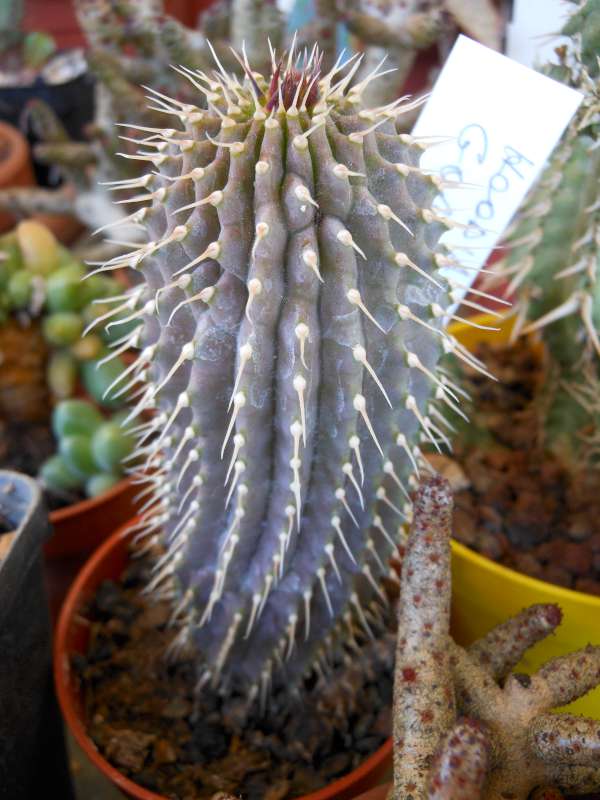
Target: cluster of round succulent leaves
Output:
[{"x": 292, "y": 317}]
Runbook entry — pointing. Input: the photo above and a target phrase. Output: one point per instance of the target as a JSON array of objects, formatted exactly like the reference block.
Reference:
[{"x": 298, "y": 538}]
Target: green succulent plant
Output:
[
  {"x": 553, "y": 257},
  {"x": 42, "y": 283},
  {"x": 91, "y": 449}
]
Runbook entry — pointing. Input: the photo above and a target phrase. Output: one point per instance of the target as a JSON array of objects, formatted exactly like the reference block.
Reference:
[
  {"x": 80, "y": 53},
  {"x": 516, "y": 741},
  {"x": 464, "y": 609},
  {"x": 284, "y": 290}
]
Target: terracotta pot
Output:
[
  {"x": 71, "y": 636},
  {"x": 378, "y": 793},
  {"x": 486, "y": 593},
  {"x": 16, "y": 170},
  {"x": 80, "y": 528},
  {"x": 15, "y": 166}
]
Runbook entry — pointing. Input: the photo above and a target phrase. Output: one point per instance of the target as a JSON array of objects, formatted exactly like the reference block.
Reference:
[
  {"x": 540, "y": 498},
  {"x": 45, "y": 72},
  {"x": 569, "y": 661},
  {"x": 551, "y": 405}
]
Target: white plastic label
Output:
[{"x": 493, "y": 123}]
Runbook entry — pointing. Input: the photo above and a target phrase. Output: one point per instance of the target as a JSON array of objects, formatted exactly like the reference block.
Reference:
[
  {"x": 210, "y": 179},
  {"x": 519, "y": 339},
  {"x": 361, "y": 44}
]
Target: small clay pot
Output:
[
  {"x": 16, "y": 170},
  {"x": 15, "y": 166},
  {"x": 71, "y": 636},
  {"x": 81, "y": 527},
  {"x": 378, "y": 793}
]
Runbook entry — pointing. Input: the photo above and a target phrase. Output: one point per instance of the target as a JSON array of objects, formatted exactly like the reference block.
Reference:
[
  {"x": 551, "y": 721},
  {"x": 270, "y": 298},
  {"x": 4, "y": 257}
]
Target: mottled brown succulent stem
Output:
[
  {"x": 566, "y": 678},
  {"x": 510, "y": 744},
  {"x": 503, "y": 647},
  {"x": 423, "y": 696},
  {"x": 559, "y": 736},
  {"x": 460, "y": 768}
]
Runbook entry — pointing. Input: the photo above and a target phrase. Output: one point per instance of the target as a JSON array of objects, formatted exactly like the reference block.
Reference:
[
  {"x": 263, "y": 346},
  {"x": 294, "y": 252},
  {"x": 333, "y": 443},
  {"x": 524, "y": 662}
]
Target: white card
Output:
[{"x": 503, "y": 120}]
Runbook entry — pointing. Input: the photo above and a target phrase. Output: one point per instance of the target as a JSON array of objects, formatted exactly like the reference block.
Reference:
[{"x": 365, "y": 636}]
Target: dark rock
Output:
[
  {"x": 369, "y": 744},
  {"x": 177, "y": 708},
  {"x": 336, "y": 765},
  {"x": 147, "y": 779},
  {"x": 107, "y": 598},
  {"x": 464, "y": 527},
  {"x": 554, "y": 573},
  {"x": 210, "y": 741},
  {"x": 588, "y": 585},
  {"x": 528, "y": 564},
  {"x": 577, "y": 558},
  {"x": 129, "y": 748},
  {"x": 164, "y": 752},
  {"x": 579, "y": 527}
]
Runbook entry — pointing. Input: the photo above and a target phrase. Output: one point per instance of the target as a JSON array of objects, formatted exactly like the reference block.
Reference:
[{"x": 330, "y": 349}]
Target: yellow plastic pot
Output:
[{"x": 486, "y": 593}]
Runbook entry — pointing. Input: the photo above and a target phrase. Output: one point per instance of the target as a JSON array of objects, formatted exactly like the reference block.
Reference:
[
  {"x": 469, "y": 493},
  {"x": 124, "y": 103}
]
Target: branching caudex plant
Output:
[
  {"x": 292, "y": 313},
  {"x": 465, "y": 726},
  {"x": 553, "y": 258}
]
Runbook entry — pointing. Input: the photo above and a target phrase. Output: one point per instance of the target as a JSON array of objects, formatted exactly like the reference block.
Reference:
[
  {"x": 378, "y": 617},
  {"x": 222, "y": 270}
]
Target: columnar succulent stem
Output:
[
  {"x": 292, "y": 329},
  {"x": 553, "y": 253},
  {"x": 423, "y": 692}
]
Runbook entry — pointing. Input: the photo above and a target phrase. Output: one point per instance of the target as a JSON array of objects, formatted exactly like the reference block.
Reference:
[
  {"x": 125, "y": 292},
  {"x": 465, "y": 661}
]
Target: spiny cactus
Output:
[
  {"x": 292, "y": 323},
  {"x": 553, "y": 256},
  {"x": 464, "y": 726}
]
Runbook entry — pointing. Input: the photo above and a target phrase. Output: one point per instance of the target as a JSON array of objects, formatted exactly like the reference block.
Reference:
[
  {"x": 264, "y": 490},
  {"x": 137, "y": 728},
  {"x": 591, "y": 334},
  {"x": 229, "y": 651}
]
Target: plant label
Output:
[{"x": 491, "y": 124}]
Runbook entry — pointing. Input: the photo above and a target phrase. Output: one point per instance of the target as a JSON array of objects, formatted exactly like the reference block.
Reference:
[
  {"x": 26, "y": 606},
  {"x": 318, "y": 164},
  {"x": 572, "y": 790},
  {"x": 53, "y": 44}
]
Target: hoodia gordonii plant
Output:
[{"x": 292, "y": 323}]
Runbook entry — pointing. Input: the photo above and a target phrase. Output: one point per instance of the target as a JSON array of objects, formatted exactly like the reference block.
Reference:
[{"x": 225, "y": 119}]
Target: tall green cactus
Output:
[
  {"x": 292, "y": 324},
  {"x": 554, "y": 251}
]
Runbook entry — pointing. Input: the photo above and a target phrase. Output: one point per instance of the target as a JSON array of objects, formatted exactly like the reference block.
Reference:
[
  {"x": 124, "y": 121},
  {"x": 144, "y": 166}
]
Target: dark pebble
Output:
[
  {"x": 369, "y": 744},
  {"x": 135, "y": 574},
  {"x": 336, "y": 765},
  {"x": 147, "y": 779},
  {"x": 209, "y": 742},
  {"x": 588, "y": 585},
  {"x": 101, "y": 650},
  {"x": 107, "y": 598},
  {"x": 363, "y": 726},
  {"x": 386, "y": 689},
  {"x": 78, "y": 662}
]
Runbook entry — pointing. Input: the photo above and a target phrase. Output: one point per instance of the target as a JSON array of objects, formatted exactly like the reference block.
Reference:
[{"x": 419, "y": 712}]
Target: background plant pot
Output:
[
  {"x": 72, "y": 102},
  {"x": 78, "y": 530},
  {"x": 16, "y": 170},
  {"x": 378, "y": 793},
  {"x": 32, "y": 752},
  {"x": 486, "y": 593},
  {"x": 15, "y": 165},
  {"x": 72, "y": 632}
]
